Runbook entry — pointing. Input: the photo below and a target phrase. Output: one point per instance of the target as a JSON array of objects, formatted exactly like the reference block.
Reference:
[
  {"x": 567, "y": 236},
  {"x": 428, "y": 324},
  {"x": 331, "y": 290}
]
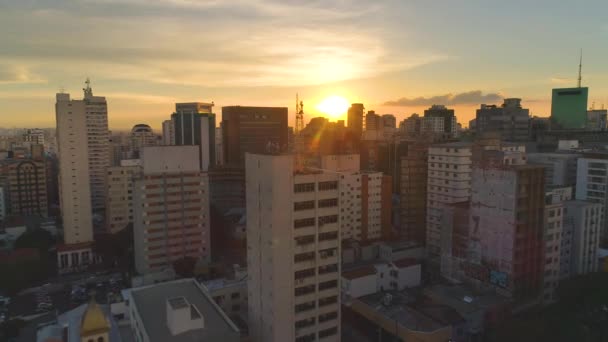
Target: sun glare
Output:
[{"x": 333, "y": 107}]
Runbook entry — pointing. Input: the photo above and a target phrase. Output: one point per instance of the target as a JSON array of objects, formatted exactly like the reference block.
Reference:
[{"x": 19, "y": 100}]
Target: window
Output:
[
  {"x": 306, "y": 222},
  {"x": 235, "y": 295},
  {"x": 328, "y": 203},
  {"x": 328, "y": 219},
  {"x": 328, "y": 332},
  {"x": 328, "y": 236},
  {"x": 304, "y": 187},
  {"x": 297, "y": 206},
  {"x": 330, "y": 185}
]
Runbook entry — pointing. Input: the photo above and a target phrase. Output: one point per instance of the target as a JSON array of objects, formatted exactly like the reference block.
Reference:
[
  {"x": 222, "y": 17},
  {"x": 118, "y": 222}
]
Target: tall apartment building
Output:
[
  {"x": 194, "y": 124},
  {"x": 170, "y": 208},
  {"x": 584, "y": 220},
  {"x": 449, "y": 181},
  {"x": 413, "y": 192},
  {"x": 141, "y": 135},
  {"x": 27, "y": 188},
  {"x": 293, "y": 251},
  {"x": 252, "y": 130},
  {"x": 119, "y": 206},
  {"x": 553, "y": 234},
  {"x": 450, "y": 125},
  {"x": 506, "y": 248},
  {"x": 90, "y": 117},
  {"x": 510, "y": 120},
  {"x": 354, "y": 120},
  {"x": 365, "y": 198},
  {"x": 592, "y": 185},
  {"x": 2, "y": 204},
  {"x": 560, "y": 167},
  {"x": 74, "y": 176},
  {"x": 168, "y": 133}
]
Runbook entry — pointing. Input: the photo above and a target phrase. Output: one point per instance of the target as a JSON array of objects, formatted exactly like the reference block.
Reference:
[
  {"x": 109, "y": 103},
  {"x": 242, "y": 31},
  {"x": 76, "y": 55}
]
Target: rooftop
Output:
[
  {"x": 359, "y": 272},
  {"x": 406, "y": 262},
  {"x": 150, "y": 302},
  {"x": 454, "y": 144}
]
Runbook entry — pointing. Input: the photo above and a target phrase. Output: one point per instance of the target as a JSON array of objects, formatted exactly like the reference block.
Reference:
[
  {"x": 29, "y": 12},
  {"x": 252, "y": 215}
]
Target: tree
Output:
[
  {"x": 184, "y": 267},
  {"x": 10, "y": 329},
  {"x": 40, "y": 239}
]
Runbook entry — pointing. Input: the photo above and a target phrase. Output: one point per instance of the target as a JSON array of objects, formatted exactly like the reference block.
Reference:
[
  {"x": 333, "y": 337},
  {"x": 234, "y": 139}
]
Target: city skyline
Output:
[{"x": 394, "y": 57}]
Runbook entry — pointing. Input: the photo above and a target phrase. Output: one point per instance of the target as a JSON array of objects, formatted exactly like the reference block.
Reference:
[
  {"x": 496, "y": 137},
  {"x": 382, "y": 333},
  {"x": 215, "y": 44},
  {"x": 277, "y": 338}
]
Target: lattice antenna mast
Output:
[
  {"x": 580, "y": 69},
  {"x": 299, "y": 115}
]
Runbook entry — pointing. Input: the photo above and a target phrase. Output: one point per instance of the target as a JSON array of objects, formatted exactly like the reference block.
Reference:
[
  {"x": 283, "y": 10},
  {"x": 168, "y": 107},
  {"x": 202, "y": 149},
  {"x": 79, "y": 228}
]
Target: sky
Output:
[{"x": 395, "y": 56}]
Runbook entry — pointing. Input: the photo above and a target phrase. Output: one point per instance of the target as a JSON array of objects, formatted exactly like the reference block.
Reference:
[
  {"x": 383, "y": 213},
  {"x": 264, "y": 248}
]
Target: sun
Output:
[{"x": 333, "y": 106}]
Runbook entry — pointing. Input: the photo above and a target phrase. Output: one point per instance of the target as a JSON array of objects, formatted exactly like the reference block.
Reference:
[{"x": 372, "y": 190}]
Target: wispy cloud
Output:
[
  {"x": 18, "y": 74},
  {"x": 469, "y": 97}
]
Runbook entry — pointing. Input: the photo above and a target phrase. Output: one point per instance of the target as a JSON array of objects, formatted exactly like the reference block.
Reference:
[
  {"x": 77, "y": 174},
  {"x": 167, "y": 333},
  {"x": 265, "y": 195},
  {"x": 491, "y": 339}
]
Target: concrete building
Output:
[
  {"x": 449, "y": 181},
  {"x": 584, "y": 220},
  {"x": 194, "y": 124},
  {"x": 227, "y": 188},
  {"x": 397, "y": 275},
  {"x": 119, "y": 206},
  {"x": 450, "y": 126},
  {"x": 413, "y": 192},
  {"x": 2, "y": 204},
  {"x": 34, "y": 136},
  {"x": 364, "y": 196},
  {"x": 27, "y": 188},
  {"x": 170, "y": 208},
  {"x": 168, "y": 133},
  {"x": 142, "y": 135},
  {"x": 569, "y": 107},
  {"x": 592, "y": 185},
  {"x": 355, "y": 120},
  {"x": 510, "y": 120},
  {"x": 506, "y": 248},
  {"x": 560, "y": 168},
  {"x": 596, "y": 119},
  {"x": 83, "y": 154},
  {"x": 411, "y": 125},
  {"x": 293, "y": 251},
  {"x": 553, "y": 234},
  {"x": 178, "y": 311},
  {"x": 252, "y": 130},
  {"x": 229, "y": 293}
]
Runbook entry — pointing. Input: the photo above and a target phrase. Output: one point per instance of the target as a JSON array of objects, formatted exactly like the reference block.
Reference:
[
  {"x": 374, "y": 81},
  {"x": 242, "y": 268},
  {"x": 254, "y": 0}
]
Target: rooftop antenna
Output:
[
  {"x": 299, "y": 115},
  {"x": 580, "y": 69},
  {"x": 88, "y": 92}
]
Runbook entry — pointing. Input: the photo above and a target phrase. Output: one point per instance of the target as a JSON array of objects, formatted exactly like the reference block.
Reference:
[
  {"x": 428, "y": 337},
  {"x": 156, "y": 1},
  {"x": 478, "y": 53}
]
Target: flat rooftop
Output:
[{"x": 150, "y": 302}]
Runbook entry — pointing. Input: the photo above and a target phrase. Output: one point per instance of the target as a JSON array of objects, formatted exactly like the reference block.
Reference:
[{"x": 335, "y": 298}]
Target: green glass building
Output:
[{"x": 569, "y": 107}]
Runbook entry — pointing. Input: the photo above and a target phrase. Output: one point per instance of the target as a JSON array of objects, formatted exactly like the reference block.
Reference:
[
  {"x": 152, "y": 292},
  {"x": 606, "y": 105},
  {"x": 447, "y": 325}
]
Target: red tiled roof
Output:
[
  {"x": 359, "y": 272},
  {"x": 406, "y": 262}
]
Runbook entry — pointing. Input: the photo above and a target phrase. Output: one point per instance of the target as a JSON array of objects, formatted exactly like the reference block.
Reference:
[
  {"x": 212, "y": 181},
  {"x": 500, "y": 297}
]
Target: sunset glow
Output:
[{"x": 334, "y": 107}]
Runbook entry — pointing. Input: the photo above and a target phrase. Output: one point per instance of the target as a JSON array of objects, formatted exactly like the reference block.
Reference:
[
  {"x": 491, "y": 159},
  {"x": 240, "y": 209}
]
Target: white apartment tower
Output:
[
  {"x": 170, "y": 208},
  {"x": 449, "y": 181},
  {"x": 293, "y": 249},
  {"x": 168, "y": 133},
  {"x": 592, "y": 185},
  {"x": 119, "y": 206}
]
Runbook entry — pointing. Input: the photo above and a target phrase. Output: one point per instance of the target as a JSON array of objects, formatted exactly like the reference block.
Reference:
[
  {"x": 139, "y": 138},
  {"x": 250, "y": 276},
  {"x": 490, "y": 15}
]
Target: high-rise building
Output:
[
  {"x": 553, "y": 235},
  {"x": 413, "y": 192},
  {"x": 170, "y": 208},
  {"x": 449, "y": 181},
  {"x": 27, "y": 192},
  {"x": 354, "y": 120},
  {"x": 168, "y": 133},
  {"x": 2, "y": 204},
  {"x": 449, "y": 119},
  {"x": 584, "y": 220},
  {"x": 74, "y": 176},
  {"x": 506, "y": 248},
  {"x": 293, "y": 251},
  {"x": 592, "y": 185},
  {"x": 34, "y": 136},
  {"x": 569, "y": 107},
  {"x": 365, "y": 197},
  {"x": 596, "y": 119},
  {"x": 389, "y": 121},
  {"x": 142, "y": 135},
  {"x": 560, "y": 167},
  {"x": 252, "y": 130},
  {"x": 119, "y": 206},
  {"x": 412, "y": 125},
  {"x": 194, "y": 124},
  {"x": 510, "y": 120}
]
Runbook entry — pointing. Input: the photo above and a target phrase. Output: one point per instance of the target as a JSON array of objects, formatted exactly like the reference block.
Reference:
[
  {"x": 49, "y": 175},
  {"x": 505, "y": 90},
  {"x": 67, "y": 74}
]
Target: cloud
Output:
[
  {"x": 17, "y": 74},
  {"x": 470, "y": 97},
  {"x": 208, "y": 43},
  {"x": 563, "y": 80}
]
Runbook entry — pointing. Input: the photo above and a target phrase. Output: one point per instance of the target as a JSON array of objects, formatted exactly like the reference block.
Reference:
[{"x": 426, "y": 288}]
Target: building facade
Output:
[
  {"x": 119, "y": 206},
  {"x": 449, "y": 119},
  {"x": 252, "y": 130},
  {"x": 584, "y": 220},
  {"x": 510, "y": 120},
  {"x": 142, "y": 135},
  {"x": 27, "y": 188},
  {"x": 170, "y": 208},
  {"x": 168, "y": 133},
  {"x": 293, "y": 251},
  {"x": 592, "y": 185},
  {"x": 194, "y": 124},
  {"x": 569, "y": 107}
]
